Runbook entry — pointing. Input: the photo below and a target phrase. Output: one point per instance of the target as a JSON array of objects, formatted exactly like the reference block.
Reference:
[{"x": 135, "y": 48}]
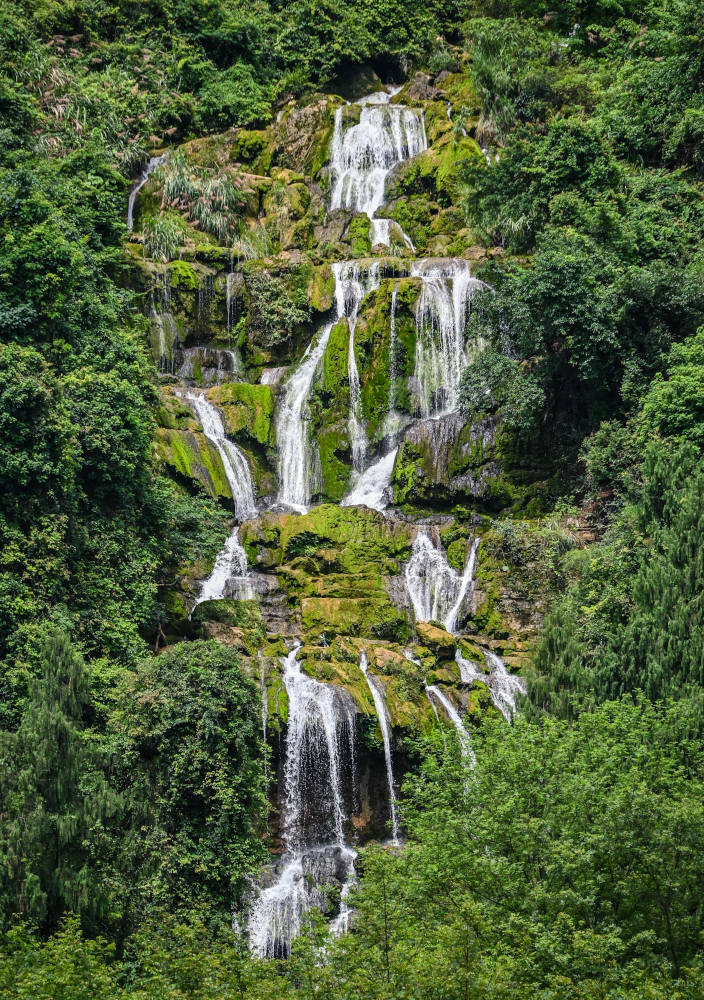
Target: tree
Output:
[
  {"x": 57, "y": 800},
  {"x": 186, "y": 733}
]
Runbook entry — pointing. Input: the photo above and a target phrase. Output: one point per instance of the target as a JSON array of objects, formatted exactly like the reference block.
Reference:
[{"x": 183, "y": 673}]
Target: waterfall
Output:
[
  {"x": 435, "y": 694},
  {"x": 363, "y": 155},
  {"x": 352, "y": 284},
  {"x": 436, "y": 590},
  {"x": 296, "y": 469},
  {"x": 441, "y": 314},
  {"x": 383, "y": 716},
  {"x": 230, "y": 299},
  {"x": 163, "y": 320},
  {"x": 230, "y": 572},
  {"x": 296, "y": 458},
  {"x": 152, "y": 163},
  {"x": 209, "y": 365},
  {"x": 503, "y": 686},
  {"x": 319, "y": 736},
  {"x": 372, "y": 487}
]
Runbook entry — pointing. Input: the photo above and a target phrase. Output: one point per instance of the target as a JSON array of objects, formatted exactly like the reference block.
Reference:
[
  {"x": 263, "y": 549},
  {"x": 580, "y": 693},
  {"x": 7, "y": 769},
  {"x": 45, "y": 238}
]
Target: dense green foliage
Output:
[{"x": 568, "y": 865}]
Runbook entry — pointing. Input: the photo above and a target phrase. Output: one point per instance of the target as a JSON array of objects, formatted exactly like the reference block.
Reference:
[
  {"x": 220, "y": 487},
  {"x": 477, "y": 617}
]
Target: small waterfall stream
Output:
[
  {"x": 230, "y": 574},
  {"x": 152, "y": 163},
  {"x": 503, "y": 686},
  {"x": 447, "y": 287},
  {"x": 352, "y": 284},
  {"x": 436, "y": 695},
  {"x": 319, "y": 745},
  {"x": 436, "y": 590},
  {"x": 383, "y": 716}
]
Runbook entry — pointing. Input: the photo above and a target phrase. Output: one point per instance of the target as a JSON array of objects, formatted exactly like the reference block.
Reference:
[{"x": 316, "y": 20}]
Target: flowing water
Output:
[
  {"x": 319, "y": 748},
  {"x": 447, "y": 287},
  {"x": 383, "y": 716},
  {"x": 436, "y": 695},
  {"x": 503, "y": 686},
  {"x": 372, "y": 488},
  {"x": 297, "y": 458},
  {"x": 363, "y": 155},
  {"x": 152, "y": 163},
  {"x": 230, "y": 575},
  {"x": 352, "y": 284},
  {"x": 437, "y": 591}
]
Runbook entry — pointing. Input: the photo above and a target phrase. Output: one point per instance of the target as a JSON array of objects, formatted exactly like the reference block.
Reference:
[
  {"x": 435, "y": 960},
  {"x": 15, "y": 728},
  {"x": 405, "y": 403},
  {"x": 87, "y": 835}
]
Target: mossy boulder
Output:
[
  {"x": 244, "y": 614},
  {"x": 248, "y": 410},
  {"x": 193, "y": 456},
  {"x": 442, "y": 643},
  {"x": 374, "y": 617},
  {"x": 359, "y": 236},
  {"x": 321, "y": 288}
]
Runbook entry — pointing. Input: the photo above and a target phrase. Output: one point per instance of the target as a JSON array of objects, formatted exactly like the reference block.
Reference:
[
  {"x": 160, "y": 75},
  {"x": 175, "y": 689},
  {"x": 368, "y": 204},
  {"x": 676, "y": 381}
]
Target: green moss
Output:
[
  {"x": 364, "y": 616},
  {"x": 248, "y": 410},
  {"x": 183, "y": 275},
  {"x": 321, "y": 288},
  {"x": 193, "y": 457},
  {"x": 359, "y": 237},
  {"x": 414, "y": 215},
  {"x": 408, "y": 475},
  {"x": 335, "y": 461},
  {"x": 243, "y": 614},
  {"x": 253, "y": 147}
]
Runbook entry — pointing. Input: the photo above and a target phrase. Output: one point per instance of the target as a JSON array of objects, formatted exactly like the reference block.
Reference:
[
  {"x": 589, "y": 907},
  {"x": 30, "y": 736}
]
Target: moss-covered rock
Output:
[
  {"x": 193, "y": 456},
  {"x": 359, "y": 236},
  {"x": 248, "y": 410},
  {"x": 374, "y": 617},
  {"x": 437, "y": 639}
]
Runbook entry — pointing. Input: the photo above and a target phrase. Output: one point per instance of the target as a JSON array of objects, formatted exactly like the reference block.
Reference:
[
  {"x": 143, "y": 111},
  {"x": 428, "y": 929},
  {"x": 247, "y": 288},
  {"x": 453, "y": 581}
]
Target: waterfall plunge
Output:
[
  {"x": 436, "y": 590},
  {"x": 230, "y": 572},
  {"x": 383, "y": 716},
  {"x": 319, "y": 744}
]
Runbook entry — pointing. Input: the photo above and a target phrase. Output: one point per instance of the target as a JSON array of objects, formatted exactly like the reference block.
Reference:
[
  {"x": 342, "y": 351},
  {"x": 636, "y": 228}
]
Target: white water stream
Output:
[
  {"x": 447, "y": 287},
  {"x": 503, "y": 686},
  {"x": 437, "y": 591},
  {"x": 383, "y": 716},
  {"x": 152, "y": 163},
  {"x": 436, "y": 695},
  {"x": 319, "y": 745},
  {"x": 230, "y": 574}
]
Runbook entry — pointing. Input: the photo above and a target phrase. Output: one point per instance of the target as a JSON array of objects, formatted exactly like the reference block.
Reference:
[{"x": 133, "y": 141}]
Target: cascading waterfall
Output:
[
  {"x": 383, "y": 716},
  {"x": 292, "y": 431},
  {"x": 372, "y": 489},
  {"x": 296, "y": 457},
  {"x": 166, "y": 329},
  {"x": 230, "y": 574},
  {"x": 436, "y": 695},
  {"x": 503, "y": 686},
  {"x": 441, "y": 311},
  {"x": 362, "y": 156},
  {"x": 437, "y": 591},
  {"x": 211, "y": 365},
  {"x": 320, "y": 736}
]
